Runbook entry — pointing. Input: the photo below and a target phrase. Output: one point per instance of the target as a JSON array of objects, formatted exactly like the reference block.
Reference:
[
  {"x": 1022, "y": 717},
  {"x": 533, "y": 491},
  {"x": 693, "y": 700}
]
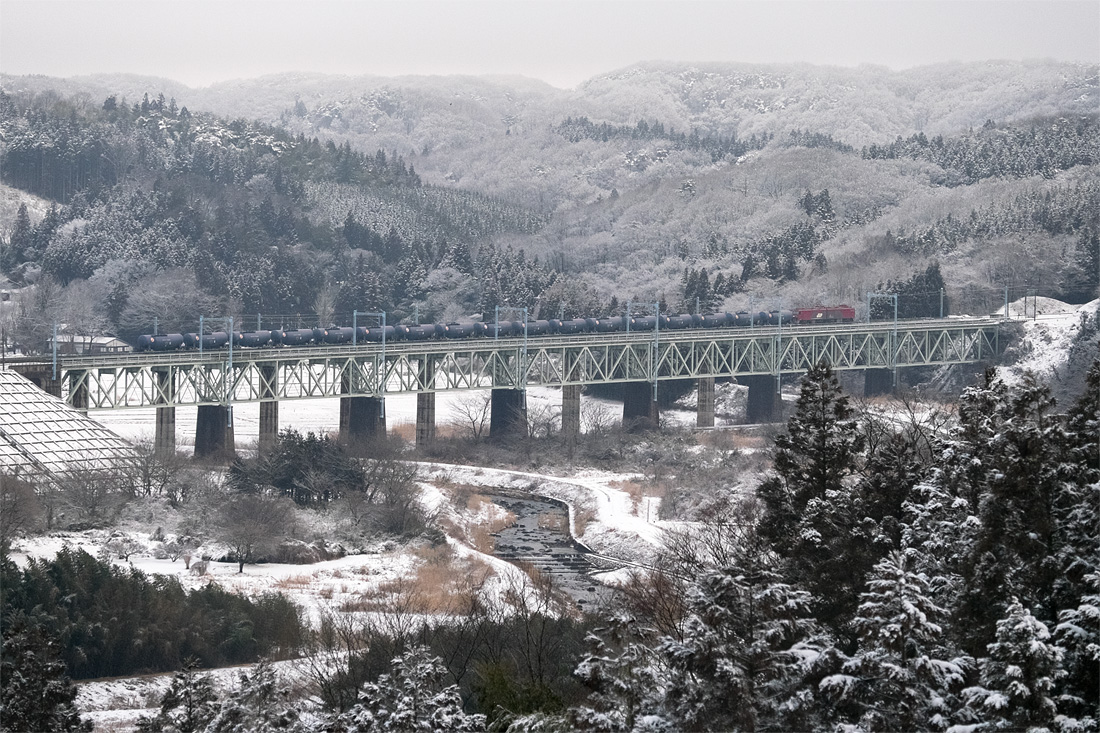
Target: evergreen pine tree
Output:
[
  {"x": 620, "y": 671},
  {"x": 1078, "y": 633},
  {"x": 808, "y": 496},
  {"x": 261, "y": 703},
  {"x": 412, "y": 697},
  {"x": 188, "y": 704},
  {"x": 741, "y": 658},
  {"x": 1018, "y": 488},
  {"x": 20, "y": 239},
  {"x": 1018, "y": 676},
  {"x": 35, "y": 692},
  {"x": 897, "y": 678}
]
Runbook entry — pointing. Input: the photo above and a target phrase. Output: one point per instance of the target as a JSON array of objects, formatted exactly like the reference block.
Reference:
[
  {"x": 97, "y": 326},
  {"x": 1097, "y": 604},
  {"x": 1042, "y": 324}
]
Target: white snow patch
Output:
[{"x": 1050, "y": 328}]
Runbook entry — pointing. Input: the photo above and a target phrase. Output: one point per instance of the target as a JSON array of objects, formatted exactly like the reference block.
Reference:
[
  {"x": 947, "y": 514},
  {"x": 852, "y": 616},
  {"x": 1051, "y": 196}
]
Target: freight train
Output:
[{"x": 490, "y": 329}]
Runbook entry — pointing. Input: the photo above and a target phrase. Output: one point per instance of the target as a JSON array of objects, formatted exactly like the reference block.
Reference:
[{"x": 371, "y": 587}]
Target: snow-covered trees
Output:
[
  {"x": 1007, "y": 466},
  {"x": 917, "y": 554},
  {"x": 808, "y": 499},
  {"x": 187, "y": 706},
  {"x": 1078, "y": 633},
  {"x": 621, "y": 670},
  {"x": 741, "y": 663},
  {"x": 413, "y": 697},
  {"x": 898, "y": 678},
  {"x": 35, "y": 692},
  {"x": 260, "y": 703},
  {"x": 1019, "y": 675}
]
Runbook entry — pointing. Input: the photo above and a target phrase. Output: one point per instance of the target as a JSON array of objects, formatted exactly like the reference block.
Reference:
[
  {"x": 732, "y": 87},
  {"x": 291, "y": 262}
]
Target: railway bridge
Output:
[{"x": 363, "y": 375}]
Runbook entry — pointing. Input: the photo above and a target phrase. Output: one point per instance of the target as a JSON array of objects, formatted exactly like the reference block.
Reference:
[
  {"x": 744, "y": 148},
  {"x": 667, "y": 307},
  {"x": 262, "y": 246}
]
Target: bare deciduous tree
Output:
[
  {"x": 472, "y": 413},
  {"x": 20, "y": 510},
  {"x": 597, "y": 417},
  {"x": 251, "y": 525},
  {"x": 89, "y": 495}
]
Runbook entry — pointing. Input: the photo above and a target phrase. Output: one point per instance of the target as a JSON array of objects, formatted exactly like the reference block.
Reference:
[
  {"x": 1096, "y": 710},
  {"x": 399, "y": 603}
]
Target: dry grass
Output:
[
  {"x": 733, "y": 440},
  {"x": 443, "y": 584},
  {"x": 405, "y": 431},
  {"x": 582, "y": 515},
  {"x": 634, "y": 489},
  {"x": 477, "y": 533},
  {"x": 294, "y": 582},
  {"x": 482, "y": 540}
]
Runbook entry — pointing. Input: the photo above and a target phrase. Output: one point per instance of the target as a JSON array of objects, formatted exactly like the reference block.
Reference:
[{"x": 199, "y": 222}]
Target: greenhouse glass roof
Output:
[{"x": 40, "y": 434}]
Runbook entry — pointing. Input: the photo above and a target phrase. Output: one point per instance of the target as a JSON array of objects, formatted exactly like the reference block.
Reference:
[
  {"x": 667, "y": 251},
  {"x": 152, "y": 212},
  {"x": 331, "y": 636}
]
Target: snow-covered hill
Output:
[{"x": 1058, "y": 343}]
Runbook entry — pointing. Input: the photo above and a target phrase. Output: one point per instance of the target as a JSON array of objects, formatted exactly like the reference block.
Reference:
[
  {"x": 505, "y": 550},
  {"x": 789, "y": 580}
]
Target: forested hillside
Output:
[
  {"x": 160, "y": 213},
  {"x": 781, "y": 185}
]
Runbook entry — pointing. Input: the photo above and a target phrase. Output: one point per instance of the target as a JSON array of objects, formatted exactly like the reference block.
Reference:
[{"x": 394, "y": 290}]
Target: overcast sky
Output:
[{"x": 563, "y": 42}]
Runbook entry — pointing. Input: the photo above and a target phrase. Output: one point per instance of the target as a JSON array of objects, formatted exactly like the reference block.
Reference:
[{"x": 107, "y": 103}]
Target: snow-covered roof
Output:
[{"x": 41, "y": 436}]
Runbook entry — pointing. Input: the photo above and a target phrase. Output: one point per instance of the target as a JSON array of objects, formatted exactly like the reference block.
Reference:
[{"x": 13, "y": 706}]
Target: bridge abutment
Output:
[
  {"x": 44, "y": 381},
  {"x": 213, "y": 432},
  {"x": 508, "y": 414},
  {"x": 878, "y": 382},
  {"x": 640, "y": 411},
  {"x": 704, "y": 416},
  {"x": 764, "y": 402}
]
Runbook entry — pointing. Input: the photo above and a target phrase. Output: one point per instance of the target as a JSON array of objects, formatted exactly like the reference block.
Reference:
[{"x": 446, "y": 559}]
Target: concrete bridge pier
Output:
[
  {"x": 878, "y": 382},
  {"x": 508, "y": 414},
  {"x": 79, "y": 389},
  {"x": 425, "y": 405},
  {"x": 571, "y": 400},
  {"x": 704, "y": 416},
  {"x": 764, "y": 401},
  {"x": 269, "y": 407},
  {"x": 213, "y": 432},
  {"x": 165, "y": 440},
  {"x": 571, "y": 410},
  {"x": 640, "y": 411},
  {"x": 361, "y": 419}
]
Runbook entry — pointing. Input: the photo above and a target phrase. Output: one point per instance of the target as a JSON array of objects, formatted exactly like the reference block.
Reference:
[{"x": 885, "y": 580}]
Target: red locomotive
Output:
[{"x": 826, "y": 314}]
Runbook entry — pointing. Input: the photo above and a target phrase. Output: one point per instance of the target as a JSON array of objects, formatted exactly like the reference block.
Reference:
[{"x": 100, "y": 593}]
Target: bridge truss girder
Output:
[{"x": 368, "y": 370}]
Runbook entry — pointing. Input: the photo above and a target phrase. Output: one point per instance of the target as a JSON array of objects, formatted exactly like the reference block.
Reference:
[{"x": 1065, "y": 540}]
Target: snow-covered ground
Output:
[
  {"x": 603, "y": 515},
  {"x": 1050, "y": 328}
]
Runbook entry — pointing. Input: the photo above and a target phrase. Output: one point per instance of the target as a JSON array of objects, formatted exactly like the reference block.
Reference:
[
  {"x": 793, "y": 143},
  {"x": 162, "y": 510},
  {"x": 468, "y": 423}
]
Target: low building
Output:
[{"x": 72, "y": 344}]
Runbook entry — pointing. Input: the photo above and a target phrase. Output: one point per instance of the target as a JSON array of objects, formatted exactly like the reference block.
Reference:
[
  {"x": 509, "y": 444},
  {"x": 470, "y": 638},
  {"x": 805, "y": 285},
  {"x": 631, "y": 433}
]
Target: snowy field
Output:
[{"x": 605, "y": 516}]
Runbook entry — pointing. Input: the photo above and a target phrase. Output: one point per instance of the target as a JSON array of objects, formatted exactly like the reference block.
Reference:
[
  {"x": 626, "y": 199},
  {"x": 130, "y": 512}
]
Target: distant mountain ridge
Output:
[{"x": 848, "y": 103}]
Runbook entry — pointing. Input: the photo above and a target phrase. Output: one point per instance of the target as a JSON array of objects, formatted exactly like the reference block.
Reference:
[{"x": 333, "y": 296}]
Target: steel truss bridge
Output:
[{"x": 152, "y": 379}]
